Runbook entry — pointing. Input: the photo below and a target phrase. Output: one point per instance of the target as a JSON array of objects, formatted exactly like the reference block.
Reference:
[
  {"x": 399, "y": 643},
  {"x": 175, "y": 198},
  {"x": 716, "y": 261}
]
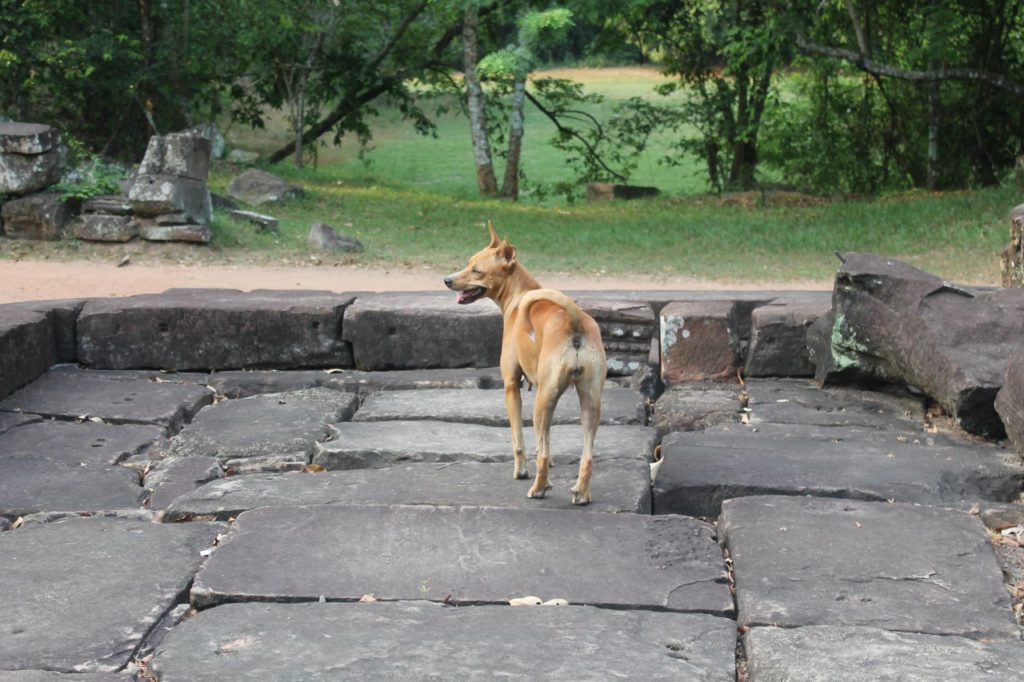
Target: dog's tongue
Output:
[{"x": 460, "y": 297}]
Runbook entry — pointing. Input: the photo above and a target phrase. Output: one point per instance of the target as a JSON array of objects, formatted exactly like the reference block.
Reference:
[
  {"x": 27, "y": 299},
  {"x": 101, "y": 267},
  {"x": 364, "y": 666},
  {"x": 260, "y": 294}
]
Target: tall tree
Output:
[{"x": 486, "y": 181}]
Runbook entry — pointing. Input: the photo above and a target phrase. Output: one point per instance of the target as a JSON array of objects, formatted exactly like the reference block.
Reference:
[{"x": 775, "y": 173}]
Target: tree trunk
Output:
[
  {"x": 510, "y": 185},
  {"x": 486, "y": 182},
  {"x": 933, "y": 136}
]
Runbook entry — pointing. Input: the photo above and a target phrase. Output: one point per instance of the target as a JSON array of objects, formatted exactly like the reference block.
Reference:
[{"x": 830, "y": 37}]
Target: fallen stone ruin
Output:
[{"x": 211, "y": 485}]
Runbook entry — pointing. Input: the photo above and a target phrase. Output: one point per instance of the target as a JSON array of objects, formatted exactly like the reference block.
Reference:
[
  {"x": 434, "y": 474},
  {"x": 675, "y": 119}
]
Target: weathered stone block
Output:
[
  {"x": 27, "y": 347},
  {"x": 778, "y": 339},
  {"x": 811, "y": 561},
  {"x": 82, "y": 594},
  {"x": 78, "y": 443},
  {"x": 182, "y": 154},
  {"x": 627, "y": 328},
  {"x": 63, "y": 317},
  {"x": 325, "y": 238},
  {"x": 27, "y": 138},
  {"x": 257, "y": 187},
  {"x": 1012, "y": 274},
  {"x": 602, "y": 191},
  {"x": 1010, "y": 400},
  {"x": 423, "y": 641},
  {"x": 155, "y": 232},
  {"x": 153, "y": 195},
  {"x": 41, "y": 217},
  {"x": 913, "y": 327},
  {"x": 110, "y": 204},
  {"x": 22, "y": 174},
  {"x": 29, "y": 485},
  {"x": 668, "y": 562},
  {"x": 214, "y": 329},
  {"x": 421, "y": 331},
  {"x": 103, "y": 227},
  {"x": 696, "y": 406},
  {"x": 699, "y": 342},
  {"x": 176, "y": 476}
]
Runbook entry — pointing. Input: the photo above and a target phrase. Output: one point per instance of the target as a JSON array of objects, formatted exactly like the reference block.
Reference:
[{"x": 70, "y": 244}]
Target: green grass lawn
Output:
[{"x": 416, "y": 204}]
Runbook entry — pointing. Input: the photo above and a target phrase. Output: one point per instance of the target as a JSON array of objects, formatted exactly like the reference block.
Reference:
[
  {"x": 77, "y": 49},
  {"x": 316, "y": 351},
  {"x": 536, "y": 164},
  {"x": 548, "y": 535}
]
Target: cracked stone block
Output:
[
  {"x": 154, "y": 195},
  {"x": 193, "y": 233},
  {"x": 109, "y": 204},
  {"x": 80, "y": 595},
  {"x": 180, "y": 154},
  {"x": 617, "y": 486},
  {"x": 265, "y": 426},
  {"x": 827, "y": 653},
  {"x": 100, "y": 227},
  {"x": 696, "y": 406},
  {"x": 487, "y": 407},
  {"x": 78, "y": 443},
  {"x": 778, "y": 339},
  {"x": 9, "y": 420},
  {"x": 699, "y": 342},
  {"x": 215, "y": 329},
  {"x": 467, "y": 555},
  {"x": 39, "y": 217},
  {"x": 79, "y": 395},
  {"x": 811, "y": 561},
  {"x": 358, "y": 445},
  {"x": 422, "y": 331},
  {"x": 173, "y": 477},
  {"x": 63, "y": 317},
  {"x": 424, "y": 641}
]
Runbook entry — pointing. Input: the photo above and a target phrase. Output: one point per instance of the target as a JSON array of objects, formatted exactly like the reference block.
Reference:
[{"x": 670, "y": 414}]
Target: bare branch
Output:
[{"x": 591, "y": 152}]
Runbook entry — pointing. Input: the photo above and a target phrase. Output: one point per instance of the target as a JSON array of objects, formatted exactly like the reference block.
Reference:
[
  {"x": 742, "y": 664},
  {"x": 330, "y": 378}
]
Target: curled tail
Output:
[{"x": 558, "y": 298}]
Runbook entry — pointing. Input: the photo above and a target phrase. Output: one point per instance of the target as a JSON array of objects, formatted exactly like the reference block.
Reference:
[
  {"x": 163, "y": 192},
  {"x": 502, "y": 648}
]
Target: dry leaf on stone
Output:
[
  {"x": 555, "y": 602},
  {"x": 334, "y": 370},
  {"x": 18, "y": 522},
  {"x": 525, "y": 601},
  {"x": 313, "y": 469},
  {"x": 367, "y": 599},
  {"x": 975, "y": 509}
]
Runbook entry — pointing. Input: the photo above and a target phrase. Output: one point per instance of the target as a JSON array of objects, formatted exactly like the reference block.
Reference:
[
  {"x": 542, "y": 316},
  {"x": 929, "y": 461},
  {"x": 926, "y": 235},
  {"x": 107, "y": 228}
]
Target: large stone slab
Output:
[
  {"x": 357, "y": 445},
  {"x": 101, "y": 227},
  {"x": 473, "y": 406},
  {"x": 78, "y": 443},
  {"x": 243, "y": 383},
  {"x": 30, "y": 484},
  {"x": 798, "y": 401},
  {"x": 422, "y": 331},
  {"x": 424, "y": 641},
  {"x": 8, "y": 420},
  {"x": 700, "y": 470},
  {"x": 903, "y": 324},
  {"x": 63, "y": 316},
  {"x": 80, "y": 595},
  {"x": 256, "y": 186},
  {"x": 214, "y": 329},
  {"x": 617, "y": 487},
  {"x": 827, "y": 653},
  {"x": 173, "y": 477},
  {"x": 466, "y": 555},
  {"x": 810, "y": 561},
  {"x": 695, "y": 406},
  {"x": 27, "y": 347},
  {"x": 262, "y": 427},
  {"x": 154, "y": 195},
  {"x": 22, "y": 174},
  {"x": 49, "y": 676},
  {"x": 78, "y": 395},
  {"x": 1010, "y": 400},
  {"x": 27, "y": 138}
]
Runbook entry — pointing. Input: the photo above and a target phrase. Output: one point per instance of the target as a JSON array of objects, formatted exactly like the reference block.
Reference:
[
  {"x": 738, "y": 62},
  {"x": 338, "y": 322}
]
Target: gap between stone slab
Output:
[
  {"x": 459, "y": 604},
  {"x": 951, "y": 635}
]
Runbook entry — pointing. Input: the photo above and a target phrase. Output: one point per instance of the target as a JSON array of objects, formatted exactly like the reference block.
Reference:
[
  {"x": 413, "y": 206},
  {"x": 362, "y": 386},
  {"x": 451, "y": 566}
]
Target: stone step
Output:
[
  {"x": 78, "y": 442},
  {"x": 799, "y": 401},
  {"x": 808, "y": 561},
  {"x": 487, "y": 407},
  {"x": 78, "y": 395},
  {"x": 700, "y": 470},
  {"x": 355, "y": 445},
  {"x": 425, "y": 641},
  {"x": 617, "y": 486},
  {"x": 874, "y": 655},
  {"x": 467, "y": 555},
  {"x": 82, "y": 594},
  {"x": 240, "y": 384}
]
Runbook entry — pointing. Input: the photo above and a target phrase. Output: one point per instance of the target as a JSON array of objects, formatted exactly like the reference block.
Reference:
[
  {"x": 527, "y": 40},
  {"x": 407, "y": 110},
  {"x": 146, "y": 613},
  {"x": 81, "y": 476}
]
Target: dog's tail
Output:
[{"x": 550, "y": 295}]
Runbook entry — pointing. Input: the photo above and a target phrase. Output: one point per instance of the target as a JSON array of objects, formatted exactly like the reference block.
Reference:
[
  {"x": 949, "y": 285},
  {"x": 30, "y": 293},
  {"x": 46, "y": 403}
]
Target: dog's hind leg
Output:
[
  {"x": 514, "y": 406},
  {"x": 590, "y": 417},
  {"x": 543, "y": 410}
]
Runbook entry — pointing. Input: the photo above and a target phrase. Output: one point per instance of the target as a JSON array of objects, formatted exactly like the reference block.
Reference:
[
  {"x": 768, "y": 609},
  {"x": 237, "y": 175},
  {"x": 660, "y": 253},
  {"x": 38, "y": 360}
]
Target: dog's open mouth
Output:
[{"x": 470, "y": 295}]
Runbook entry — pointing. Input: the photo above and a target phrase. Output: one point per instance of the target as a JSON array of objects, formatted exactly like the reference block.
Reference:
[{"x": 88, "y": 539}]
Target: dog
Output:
[{"x": 548, "y": 340}]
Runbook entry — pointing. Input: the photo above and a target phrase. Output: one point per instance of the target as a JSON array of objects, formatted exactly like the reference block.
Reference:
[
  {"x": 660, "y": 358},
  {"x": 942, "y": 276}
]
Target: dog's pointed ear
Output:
[
  {"x": 508, "y": 253},
  {"x": 494, "y": 235}
]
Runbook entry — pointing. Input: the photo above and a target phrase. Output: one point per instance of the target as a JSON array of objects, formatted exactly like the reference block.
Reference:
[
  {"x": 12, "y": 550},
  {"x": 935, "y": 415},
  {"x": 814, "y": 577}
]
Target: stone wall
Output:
[{"x": 221, "y": 329}]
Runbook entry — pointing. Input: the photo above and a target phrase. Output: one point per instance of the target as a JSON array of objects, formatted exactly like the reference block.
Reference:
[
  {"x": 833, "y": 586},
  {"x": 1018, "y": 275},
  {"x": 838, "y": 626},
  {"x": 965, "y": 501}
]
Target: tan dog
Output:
[{"x": 549, "y": 340}]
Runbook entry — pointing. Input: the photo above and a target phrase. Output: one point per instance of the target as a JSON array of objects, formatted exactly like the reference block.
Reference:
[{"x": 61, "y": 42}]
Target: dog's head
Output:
[{"x": 486, "y": 271}]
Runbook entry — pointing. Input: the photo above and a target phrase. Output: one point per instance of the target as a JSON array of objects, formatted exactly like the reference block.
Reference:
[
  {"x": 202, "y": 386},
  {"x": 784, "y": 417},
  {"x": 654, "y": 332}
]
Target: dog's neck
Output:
[{"x": 518, "y": 282}]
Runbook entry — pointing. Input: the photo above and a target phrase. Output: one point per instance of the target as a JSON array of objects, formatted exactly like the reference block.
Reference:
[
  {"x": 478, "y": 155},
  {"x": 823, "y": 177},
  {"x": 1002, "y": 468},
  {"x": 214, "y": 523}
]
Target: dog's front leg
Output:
[{"x": 514, "y": 405}]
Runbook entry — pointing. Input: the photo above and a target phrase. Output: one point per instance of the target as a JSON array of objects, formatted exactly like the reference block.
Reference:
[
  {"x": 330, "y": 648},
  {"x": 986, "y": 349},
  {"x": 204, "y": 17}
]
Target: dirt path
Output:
[{"x": 35, "y": 280}]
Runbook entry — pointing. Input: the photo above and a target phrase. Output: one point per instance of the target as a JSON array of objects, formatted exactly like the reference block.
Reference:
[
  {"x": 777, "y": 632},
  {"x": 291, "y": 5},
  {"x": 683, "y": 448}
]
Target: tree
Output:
[{"x": 486, "y": 182}]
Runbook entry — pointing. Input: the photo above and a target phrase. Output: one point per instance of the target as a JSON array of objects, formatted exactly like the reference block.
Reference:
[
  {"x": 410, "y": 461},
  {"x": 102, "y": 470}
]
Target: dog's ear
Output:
[
  {"x": 508, "y": 253},
  {"x": 494, "y": 235}
]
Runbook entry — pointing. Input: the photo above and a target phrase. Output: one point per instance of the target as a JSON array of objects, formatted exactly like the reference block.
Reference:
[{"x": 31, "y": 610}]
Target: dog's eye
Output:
[{"x": 476, "y": 271}]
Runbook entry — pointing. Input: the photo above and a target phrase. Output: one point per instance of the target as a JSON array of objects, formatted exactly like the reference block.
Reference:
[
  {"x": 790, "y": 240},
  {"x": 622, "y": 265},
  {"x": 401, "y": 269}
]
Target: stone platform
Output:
[{"x": 338, "y": 523}]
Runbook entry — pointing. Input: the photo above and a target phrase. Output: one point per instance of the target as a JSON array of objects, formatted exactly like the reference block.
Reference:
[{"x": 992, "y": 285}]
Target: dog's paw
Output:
[
  {"x": 578, "y": 498},
  {"x": 521, "y": 474},
  {"x": 538, "y": 492}
]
